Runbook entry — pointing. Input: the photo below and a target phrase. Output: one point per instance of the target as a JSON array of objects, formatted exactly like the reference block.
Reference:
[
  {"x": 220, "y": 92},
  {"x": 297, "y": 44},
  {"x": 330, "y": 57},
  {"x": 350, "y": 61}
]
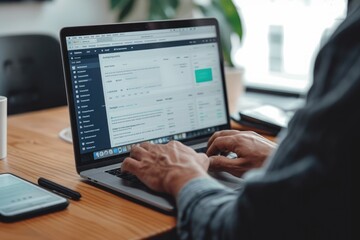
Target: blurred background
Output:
[{"x": 275, "y": 46}]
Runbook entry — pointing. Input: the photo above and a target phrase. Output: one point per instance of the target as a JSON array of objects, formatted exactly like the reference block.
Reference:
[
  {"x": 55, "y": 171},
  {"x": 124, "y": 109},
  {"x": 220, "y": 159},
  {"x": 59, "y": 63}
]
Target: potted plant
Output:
[
  {"x": 230, "y": 25},
  {"x": 223, "y": 10}
]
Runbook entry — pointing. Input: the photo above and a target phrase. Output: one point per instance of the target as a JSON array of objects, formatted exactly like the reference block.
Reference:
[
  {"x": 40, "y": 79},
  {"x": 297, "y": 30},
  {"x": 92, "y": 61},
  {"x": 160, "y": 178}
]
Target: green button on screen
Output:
[{"x": 203, "y": 75}]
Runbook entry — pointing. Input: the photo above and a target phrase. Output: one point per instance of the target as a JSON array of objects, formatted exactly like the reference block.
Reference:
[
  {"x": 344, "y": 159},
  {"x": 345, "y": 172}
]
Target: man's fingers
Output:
[
  {"x": 236, "y": 167},
  {"x": 220, "y": 163},
  {"x": 130, "y": 165},
  {"x": 220, "y": 145},
  {"x": 138, "y": 152},
  {"x": 147, "y": 145},
  {"x": 221, "y": 134}
]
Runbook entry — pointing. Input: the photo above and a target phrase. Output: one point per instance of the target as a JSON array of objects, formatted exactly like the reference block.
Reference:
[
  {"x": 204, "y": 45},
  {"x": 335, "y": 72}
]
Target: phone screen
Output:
[{"x": 18, "y": 196}]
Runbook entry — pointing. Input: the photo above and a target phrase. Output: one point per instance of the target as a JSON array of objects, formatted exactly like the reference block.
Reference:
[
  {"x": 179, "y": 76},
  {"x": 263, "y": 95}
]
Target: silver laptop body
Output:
[{"x": 136, "y": 82}]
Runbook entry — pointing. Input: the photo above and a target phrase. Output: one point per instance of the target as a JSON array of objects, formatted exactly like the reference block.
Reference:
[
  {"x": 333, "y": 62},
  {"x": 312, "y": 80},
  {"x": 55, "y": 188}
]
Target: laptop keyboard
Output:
[
  {"x": 132, "y": 178},
  {"x": 201, "y": 150},
  {"x": 123, "y": 175}
]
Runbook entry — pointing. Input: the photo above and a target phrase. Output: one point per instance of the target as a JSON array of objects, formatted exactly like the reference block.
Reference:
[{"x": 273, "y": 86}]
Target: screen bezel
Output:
[{"x": 127, "y": 27}]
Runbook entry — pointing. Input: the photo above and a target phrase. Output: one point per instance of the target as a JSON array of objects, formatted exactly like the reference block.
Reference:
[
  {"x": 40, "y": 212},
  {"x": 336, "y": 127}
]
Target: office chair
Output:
[{"x": 31, "y": 74}]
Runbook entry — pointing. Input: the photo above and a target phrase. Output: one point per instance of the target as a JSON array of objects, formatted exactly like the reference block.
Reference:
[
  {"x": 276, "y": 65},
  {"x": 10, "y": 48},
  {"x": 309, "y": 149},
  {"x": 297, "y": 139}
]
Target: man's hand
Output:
[
  {"x": 165, "y": 168},
  {"x": 251, "y": 149}
]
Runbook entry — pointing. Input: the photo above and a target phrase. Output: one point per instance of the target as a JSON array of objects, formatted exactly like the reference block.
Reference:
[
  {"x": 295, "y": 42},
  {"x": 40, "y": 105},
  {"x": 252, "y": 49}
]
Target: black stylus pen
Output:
[{"x": 57, "y": 188}]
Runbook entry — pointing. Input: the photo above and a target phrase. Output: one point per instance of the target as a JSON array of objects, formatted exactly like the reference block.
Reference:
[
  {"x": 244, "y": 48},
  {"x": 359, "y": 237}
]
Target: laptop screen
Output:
[{"x": 150, "y": 85}]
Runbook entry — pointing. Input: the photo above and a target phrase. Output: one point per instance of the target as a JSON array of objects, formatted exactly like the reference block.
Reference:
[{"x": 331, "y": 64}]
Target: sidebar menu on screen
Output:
[{"x": 89, "y": 102}]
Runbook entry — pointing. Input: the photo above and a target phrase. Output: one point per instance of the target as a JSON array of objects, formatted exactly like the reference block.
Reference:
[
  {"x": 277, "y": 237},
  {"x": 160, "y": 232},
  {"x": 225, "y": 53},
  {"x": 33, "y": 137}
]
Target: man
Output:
[{"x": 302, "y": 191}]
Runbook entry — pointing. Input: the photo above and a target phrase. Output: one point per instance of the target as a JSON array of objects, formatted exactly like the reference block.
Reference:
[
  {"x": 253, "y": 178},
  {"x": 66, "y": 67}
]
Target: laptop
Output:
[{"x": 142, "y": 82}]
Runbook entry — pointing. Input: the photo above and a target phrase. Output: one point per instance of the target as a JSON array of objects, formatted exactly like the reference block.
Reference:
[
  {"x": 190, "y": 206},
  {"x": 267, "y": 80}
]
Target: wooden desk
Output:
[{"x": 34, "y": 150}]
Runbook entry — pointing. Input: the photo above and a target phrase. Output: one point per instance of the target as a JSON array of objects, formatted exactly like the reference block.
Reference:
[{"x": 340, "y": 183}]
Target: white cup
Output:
[{"x": 3, "y": 127}]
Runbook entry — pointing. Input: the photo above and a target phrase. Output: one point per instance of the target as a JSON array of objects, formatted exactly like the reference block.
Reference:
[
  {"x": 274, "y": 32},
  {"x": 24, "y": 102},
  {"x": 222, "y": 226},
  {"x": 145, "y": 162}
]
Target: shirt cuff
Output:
[{"x": 195, "y": 188}]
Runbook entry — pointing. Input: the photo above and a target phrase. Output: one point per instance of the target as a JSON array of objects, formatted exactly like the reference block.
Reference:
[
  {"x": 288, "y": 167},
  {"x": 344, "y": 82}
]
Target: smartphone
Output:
[{"x": 21, "y": 199}]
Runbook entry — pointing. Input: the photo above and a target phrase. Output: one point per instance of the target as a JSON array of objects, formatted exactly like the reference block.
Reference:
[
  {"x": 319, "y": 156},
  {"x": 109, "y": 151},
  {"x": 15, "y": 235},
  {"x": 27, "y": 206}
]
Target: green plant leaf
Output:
[
  {"x": 156, "y": 10},
  {"x": 114, "y": 3},
  {"x": 125, "y": 8},
  {"x": 214, "y": 10},
  {"x": 118, "y": 4},
  {"x": 174, "y": 3},
  {"x": 163, "y": 9},
  {"x": 232, "y": 17}
]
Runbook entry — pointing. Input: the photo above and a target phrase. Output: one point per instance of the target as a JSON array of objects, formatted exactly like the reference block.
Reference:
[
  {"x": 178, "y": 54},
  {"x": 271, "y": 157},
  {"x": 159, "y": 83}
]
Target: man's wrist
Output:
[{"x": 176, "y": 181}]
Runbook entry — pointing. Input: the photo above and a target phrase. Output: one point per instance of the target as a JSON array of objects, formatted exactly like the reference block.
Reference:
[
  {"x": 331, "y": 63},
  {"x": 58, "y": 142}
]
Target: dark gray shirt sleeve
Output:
[
  {"x": 209, "y": 210},
  {"x": 304, "y": 191},
  {"x": 198, "y": 203}
]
